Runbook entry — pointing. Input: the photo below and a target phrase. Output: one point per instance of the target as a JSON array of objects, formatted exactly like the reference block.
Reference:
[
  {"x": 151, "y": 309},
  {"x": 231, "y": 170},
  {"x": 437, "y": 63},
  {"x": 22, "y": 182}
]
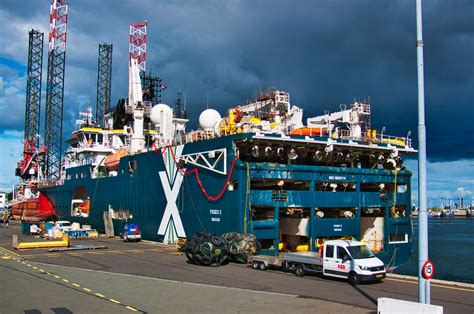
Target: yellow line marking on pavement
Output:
[
  {"x": 34, "y": 267},
  {"x": 100, "y": 295},
  {"x": 86, "y": 289},
  {"x": 6, "y": 257},
  {"x": 115, "y": 301},
  {"x": 76, "y": 285},
  {"x": 65, "y": 280},
  {"x": 132, "y": 308},
  {"x": 7, "y": 250},
  {"x": 83, "y": 253},
  {"x": 56, "y": 276},
  {"x": 29, "y": 265},
  {"x": 432, "y": 284}
]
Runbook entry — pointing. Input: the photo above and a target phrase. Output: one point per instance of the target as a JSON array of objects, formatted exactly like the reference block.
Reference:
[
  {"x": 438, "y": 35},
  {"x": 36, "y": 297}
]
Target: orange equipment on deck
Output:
[
  {"x": 112, "y": 161},
  {"x": 309, "y": 131}
]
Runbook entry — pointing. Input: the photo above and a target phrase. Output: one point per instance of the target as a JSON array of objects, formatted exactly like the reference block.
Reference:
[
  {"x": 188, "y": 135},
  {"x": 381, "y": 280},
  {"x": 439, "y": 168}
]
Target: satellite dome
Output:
[
  {"x": 157, "y": 112},
  {"x": 209, "y": 118}
]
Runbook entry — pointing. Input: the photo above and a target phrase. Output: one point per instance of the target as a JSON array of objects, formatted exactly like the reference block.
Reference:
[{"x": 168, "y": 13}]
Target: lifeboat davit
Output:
[
  {"x": 309, "y": 131},
  {"x": 112, "y": 161},
  {"x": 33, "y": 209}
]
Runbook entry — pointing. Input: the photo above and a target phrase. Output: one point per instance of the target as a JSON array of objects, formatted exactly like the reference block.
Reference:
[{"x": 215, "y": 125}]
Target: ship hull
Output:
[
  {"x": 169, "y": 200},
  {"x": 33, "y": 209}
]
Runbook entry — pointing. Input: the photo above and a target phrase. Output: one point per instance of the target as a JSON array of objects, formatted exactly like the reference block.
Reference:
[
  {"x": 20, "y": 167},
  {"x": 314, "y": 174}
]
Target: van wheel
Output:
[
  {"x": 255, "y": 265},
  {"x": 299, "y": 270},
  {"x": 353, "y": 278},
  {"x": 263, "y": 266}
]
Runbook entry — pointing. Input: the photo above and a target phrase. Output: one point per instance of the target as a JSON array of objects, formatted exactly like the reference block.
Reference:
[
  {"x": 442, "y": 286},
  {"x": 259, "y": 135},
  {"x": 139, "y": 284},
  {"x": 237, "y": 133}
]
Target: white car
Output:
[{"x": 63, "y": 225}]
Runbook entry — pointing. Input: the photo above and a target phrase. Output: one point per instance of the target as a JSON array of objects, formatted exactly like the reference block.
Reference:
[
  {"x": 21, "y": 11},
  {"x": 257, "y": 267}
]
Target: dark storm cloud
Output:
[{"x": 323, "y": 52}]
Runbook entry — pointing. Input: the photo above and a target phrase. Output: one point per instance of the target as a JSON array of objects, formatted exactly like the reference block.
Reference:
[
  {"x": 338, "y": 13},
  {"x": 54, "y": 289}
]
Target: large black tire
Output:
[
  {"x": 206, "y": 249},
  {"x": 263, "y": 266},
  {"x": 240, "y": 246},
  {"x": 216, "y": 241},
  {"x": 353, "y": 278},
  {"x": 255, "y": 265},
  {"x": 299, "y": 270}
]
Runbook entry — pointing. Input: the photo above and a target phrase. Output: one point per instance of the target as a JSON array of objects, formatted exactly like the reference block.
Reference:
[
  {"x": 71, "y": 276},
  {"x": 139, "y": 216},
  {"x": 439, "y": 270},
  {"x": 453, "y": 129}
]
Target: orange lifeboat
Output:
[
  {"x": 309, "y": 131},
  {"x": 112, "y": 161}
]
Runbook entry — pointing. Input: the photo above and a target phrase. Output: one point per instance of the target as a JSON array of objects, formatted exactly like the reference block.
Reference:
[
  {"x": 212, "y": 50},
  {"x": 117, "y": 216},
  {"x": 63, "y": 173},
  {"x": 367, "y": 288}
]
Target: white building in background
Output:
[{"x": 3, "y": 199}]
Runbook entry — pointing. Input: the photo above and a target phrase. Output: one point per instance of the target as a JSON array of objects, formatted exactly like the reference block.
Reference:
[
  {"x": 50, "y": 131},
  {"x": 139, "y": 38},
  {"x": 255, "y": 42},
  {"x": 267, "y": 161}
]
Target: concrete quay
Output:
[{"x": 151, "y": 277}]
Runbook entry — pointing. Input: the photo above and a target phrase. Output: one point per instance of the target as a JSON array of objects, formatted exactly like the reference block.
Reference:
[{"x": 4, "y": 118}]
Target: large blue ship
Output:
[{"x": 258, "y": 170}]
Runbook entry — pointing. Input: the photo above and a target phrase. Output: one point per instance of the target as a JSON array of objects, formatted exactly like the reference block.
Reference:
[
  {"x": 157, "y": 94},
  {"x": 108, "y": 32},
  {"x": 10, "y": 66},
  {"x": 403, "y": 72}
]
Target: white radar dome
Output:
[
  {"x": 158, "y": 111},
  {"x": 209, "y": 118}
]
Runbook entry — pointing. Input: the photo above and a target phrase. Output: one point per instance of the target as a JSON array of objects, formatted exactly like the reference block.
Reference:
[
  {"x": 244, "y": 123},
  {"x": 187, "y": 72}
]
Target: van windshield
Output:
[{"x": 360, "y": 252}]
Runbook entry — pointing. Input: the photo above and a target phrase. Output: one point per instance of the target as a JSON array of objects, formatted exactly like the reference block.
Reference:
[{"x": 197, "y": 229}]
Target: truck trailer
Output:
[{"x": 351, "y": 260}]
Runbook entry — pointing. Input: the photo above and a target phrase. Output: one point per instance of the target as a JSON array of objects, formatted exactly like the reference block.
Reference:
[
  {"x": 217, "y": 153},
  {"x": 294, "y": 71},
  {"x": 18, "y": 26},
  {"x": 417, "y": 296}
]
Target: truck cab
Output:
[{"x": 351, "y": 260}]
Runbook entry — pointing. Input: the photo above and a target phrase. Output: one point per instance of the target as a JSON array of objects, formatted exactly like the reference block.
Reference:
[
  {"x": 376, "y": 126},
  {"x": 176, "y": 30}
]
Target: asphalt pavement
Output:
[{"x": 150, "y": 277}]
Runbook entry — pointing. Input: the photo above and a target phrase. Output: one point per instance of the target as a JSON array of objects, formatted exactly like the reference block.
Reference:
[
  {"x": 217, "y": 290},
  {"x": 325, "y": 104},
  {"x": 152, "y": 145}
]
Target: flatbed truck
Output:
[{"x": 351, "y": 260}]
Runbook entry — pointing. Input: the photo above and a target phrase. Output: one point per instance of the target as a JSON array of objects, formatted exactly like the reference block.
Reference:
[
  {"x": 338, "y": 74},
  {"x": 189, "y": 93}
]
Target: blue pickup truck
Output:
[{"x": 131, "y": 232}]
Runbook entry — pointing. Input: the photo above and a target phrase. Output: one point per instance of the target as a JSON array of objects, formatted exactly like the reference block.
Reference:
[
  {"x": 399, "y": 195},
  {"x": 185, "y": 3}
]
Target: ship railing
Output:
[
  {"x": 373, "y": 137},
  {"x": 370, "y": 136},
  {"x": 49, "y": 184}
]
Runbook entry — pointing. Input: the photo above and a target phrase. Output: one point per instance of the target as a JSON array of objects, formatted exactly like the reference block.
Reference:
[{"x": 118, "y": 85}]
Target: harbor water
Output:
[{"x": 451, "y": 248}]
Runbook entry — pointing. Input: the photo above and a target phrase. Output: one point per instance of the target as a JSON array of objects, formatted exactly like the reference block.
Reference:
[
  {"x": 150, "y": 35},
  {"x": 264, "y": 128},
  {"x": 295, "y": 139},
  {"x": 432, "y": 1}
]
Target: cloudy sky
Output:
[{"x": 324, "y": 53}]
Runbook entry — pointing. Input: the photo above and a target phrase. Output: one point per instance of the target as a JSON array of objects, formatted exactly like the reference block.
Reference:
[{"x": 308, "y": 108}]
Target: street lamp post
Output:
[{"x": 423, "y": 284}]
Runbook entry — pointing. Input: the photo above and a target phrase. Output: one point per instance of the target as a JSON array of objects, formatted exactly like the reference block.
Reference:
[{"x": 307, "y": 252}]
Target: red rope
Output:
[{"x": 198, "y": 179}]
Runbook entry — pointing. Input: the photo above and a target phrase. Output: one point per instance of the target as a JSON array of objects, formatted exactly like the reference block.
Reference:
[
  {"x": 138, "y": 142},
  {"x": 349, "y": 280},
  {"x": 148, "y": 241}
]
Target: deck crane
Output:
[{"x": 354, "y": 118}]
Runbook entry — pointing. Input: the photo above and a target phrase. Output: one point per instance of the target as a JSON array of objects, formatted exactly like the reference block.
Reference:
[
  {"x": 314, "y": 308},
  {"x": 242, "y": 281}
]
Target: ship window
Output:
[
  {"x": 267, "y": 244},
  {"x": 329, "y": 251},
  {"x": 372, "y": 187},
  {"x": 398, "y": 238},
  {"x": 263, "y": 213},
  {"x": 402, "y": 188},
  {"x": 132, "y": 166},
  {"x": 279, "y": 196},
  {"x": 340, "y": 212},
  {"x": 233, "y": 185},
  {"x": 398, "y": 211},
  {"x": 294, "y": 212},
  {"x": 335, "y": 186},
  {"x": 372, "y": 212},
  {"x": 387, "y": 187},
  {"x": 279, "y": 184}
]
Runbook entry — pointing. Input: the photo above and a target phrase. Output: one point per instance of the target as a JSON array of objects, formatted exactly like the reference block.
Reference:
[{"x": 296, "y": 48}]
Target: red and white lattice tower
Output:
[
  {"x": 137, "y": 47},
  {"x": 57, "y": 26},
  {"x": 55, "y": 88}
]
